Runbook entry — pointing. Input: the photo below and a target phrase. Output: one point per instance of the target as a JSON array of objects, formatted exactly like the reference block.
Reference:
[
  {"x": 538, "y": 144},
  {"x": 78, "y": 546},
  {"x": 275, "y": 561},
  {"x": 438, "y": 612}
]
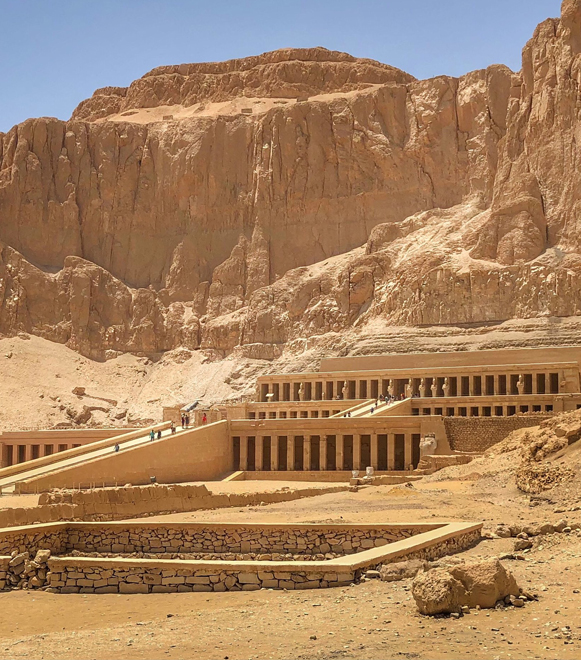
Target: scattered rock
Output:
[
  {"x": 402, "y": 570},
  {"x": 522, "y": 544}
]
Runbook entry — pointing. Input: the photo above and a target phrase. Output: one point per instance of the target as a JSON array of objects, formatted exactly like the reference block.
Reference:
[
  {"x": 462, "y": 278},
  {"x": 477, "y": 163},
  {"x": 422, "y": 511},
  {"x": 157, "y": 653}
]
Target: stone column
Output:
[
  {"x": 258, "y": 450},
  {"x": 471, "y": 385},
  {"x": 374, "y": 451},
  {"x": 390, "y": 451},
  {"x": 408, "y": 451},
  {"x": 496, "y": 386},
  {"x": 306, "y": 452},
  {"x": 369, "y": 389},
  {"x": 290, "y": 452},
  {"x": 243, "y": 452},
  {"x": 356, "y": 451},
  {"x": 340, "y": 451},
  {"x": 274, "y": 452},
  {"x": 323, "y": 452},
  {"x": 535, "y": 384}
]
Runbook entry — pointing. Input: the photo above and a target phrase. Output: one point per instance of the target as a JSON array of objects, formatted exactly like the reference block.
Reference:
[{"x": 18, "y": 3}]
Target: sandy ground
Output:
[{"x": 370, "y": 620}]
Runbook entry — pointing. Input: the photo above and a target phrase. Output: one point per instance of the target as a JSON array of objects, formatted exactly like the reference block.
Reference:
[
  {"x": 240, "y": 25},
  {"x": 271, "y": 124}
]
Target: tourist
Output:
[
  {"x": 183, "y": 420},
  {"x": 152, "y": 435},
  {"x": 159, "y": 434},
  {"x": 116, "y": 447},
  {"x": 204, "y": 419},
  {"x": 173, "y": 428}
]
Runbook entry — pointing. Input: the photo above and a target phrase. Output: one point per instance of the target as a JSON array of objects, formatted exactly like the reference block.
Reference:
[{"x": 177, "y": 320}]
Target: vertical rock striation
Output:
[{"x": 292, "y": 194}]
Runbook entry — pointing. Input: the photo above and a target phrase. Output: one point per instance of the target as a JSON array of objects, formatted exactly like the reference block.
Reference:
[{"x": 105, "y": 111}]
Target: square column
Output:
[
  {"x": 496, "y": 387},
  {"x": 258, "y": 451},
  {"x": 340, "y": 451},
  {"x": 323, "y": 452},
  {"x": 356, "y": 451},
  {"x": 290, "y": 452},
  {"x": 374, "y": 451},
  {"x": 244, "y": 452},
  {"x": 535, "y": 384},
  {"x": 390, "y": 451},
  {"x": 408, "y": 451},
  {"x": 306, "y": 452}
]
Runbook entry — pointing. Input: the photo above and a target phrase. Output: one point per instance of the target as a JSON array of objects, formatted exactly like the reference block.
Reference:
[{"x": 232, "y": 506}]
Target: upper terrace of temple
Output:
[{"x": 460, "y": 374}]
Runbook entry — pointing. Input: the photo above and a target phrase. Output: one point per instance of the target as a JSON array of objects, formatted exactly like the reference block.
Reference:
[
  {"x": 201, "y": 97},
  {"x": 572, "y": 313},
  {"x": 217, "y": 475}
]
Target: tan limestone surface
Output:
[{"x": 296, "y": 194}]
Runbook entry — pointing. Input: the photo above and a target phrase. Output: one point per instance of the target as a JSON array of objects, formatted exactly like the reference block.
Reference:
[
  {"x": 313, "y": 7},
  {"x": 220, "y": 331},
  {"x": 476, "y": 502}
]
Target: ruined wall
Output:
[{"x": 140, "y": 501}]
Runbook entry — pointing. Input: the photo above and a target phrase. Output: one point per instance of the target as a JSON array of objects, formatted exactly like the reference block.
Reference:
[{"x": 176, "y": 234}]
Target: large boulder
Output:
[
  {"x": 443, "y": 591},
  {"x": 485, "y": 582},
  {"x": 438, "y": 592}
]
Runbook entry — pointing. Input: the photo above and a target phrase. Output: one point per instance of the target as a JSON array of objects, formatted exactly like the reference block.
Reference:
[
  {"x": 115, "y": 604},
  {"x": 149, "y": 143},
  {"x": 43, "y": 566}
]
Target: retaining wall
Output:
[
  {"x": 477, "y": 434},
  {"x": 73, "y": 574}
]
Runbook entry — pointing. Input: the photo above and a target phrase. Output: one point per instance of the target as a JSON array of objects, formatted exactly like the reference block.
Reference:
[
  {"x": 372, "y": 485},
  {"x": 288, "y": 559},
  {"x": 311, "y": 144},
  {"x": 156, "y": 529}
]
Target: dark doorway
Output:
[
  {"x": 415, "y": 449},
  {"x": 266, "y": 454},
  {"x": 251, "y": 460},
  {"x": 365, "y": 451},
  {"x": 331, "y": 453},
  {"x": 399, "y": 451},
  {"x": 347, "y": 452},
  {"x": 382, "y": 452},
  {"x": 282, "y": 452},
  {"x": 299, "y": 444},
  {"x": 315, "y": 453}
]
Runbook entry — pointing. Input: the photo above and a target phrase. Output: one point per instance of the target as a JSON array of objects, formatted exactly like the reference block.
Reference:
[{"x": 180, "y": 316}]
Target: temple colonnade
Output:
[{"x": 382, "y": 451}]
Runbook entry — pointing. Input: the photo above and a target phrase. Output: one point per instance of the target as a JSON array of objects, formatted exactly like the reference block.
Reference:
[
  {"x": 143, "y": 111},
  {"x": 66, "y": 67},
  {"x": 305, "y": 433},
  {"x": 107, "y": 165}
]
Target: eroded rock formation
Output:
[{"x": 293, "y": 194}]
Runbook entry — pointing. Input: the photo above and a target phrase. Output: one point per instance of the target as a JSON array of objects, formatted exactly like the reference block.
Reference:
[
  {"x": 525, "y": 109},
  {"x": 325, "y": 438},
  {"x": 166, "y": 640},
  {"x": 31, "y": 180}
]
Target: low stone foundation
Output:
[
  {"x": 359, "y": 547},
  {"x": 127, "y": 502}
]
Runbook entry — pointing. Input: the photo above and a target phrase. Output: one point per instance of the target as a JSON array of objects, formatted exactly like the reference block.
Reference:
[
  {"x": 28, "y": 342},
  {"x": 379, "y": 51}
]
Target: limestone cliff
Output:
[{"x": 293, "y": 194}]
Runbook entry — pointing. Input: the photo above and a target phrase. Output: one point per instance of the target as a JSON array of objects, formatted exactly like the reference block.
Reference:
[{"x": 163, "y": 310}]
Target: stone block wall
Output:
[
  {"x": 33, "y": 539},
  {"x": 233, "y": 539},
  {"x": 450, "y": 546},
  {"x": 66, "y": 576},
  {"x": 70, "y": 574},
  {"x": 477, "y": 434},
  {"x": 4, "y": 561}
]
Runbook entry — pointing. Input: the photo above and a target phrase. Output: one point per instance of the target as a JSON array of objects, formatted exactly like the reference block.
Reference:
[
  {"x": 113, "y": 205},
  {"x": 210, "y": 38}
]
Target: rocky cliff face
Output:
[{"x": 292, "y": 194}]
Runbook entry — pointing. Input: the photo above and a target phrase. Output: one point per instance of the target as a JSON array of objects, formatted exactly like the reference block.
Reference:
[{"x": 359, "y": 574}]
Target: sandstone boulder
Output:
[
  {"x": 485, "y": 582},
  {"x": 438, "y": 592},
  {"x": 482, "y": 584}
]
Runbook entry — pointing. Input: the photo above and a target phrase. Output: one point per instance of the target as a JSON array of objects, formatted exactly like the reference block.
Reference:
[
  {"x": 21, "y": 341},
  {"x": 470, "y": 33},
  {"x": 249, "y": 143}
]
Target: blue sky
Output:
[{"x": 57, "y": 52}]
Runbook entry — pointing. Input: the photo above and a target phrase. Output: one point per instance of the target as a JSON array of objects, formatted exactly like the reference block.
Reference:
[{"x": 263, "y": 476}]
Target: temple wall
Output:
[{"x": 477, "y": 434}]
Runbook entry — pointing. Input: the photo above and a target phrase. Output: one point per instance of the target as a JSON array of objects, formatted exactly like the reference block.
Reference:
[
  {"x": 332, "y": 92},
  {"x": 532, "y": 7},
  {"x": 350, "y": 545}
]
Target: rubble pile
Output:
[{"x": 27, "y": 573}]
